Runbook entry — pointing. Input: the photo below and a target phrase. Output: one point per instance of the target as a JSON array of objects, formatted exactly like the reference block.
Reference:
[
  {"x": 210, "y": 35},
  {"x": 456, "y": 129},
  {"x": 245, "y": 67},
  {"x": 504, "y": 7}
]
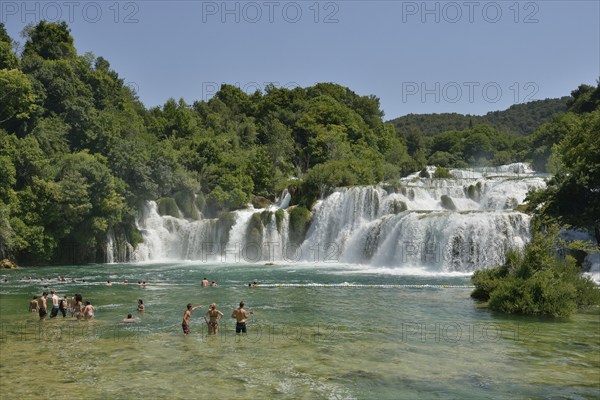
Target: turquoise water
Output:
[{"x": 339, "y": 332}]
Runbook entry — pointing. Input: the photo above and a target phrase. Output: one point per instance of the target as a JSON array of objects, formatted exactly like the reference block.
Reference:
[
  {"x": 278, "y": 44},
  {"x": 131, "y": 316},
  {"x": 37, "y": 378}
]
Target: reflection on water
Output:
[{"x": 307, "y": 342}]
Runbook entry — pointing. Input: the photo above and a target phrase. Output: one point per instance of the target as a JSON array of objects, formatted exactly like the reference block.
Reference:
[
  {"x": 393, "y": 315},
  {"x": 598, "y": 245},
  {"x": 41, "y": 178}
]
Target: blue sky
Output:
[{"x": 418, "y": 57}]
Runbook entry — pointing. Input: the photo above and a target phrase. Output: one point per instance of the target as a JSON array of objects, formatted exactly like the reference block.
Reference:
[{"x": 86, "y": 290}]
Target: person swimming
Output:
[
  {"x": 141, "y": 307},
  {"x": 129, "y": 319}
]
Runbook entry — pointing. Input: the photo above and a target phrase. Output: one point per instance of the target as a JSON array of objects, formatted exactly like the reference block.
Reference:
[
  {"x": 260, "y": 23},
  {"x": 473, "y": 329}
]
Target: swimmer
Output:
[
  {"x": 204, "y": 282},
  {"x": 141, "y": 307},
  {"x": 213, "y": 284},
  {"x": 129, "y": 319}
]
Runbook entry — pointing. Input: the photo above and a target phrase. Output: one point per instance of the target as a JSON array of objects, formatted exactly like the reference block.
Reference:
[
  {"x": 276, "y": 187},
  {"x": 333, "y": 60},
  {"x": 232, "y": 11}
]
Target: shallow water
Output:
[{"x": 319, "y": 331}]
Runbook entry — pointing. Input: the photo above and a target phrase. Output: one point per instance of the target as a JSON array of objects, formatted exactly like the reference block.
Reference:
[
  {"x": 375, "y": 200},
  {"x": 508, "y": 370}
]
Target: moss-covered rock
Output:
[
  {"x": 398, "y": 206},
  {"x": 447, "y": 203},
  {"x": 224, "y": 223},
  {"x": 186, "y": 203},
  {"x": 299, "y": 221},
  {"x": 255, "y": 229},
  {"x": 261, "y": 202},
  {"x": 7, "y": 264},
  {"x": 279, "y": 216},
  {"x": 168, "y": 206},
  {"x": 200, "y": 201}
]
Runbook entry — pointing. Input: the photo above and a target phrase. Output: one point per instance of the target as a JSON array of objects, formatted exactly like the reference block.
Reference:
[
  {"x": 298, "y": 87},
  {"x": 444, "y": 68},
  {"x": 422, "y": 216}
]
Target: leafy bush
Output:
[
  {"x": 442, "y": 173},
  {"x": 540, "y": 282}
]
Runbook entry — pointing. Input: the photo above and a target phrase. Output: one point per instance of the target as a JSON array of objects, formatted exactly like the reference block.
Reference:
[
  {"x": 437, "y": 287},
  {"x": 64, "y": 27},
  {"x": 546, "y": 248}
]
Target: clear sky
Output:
[{"x": 418, "y": 57}]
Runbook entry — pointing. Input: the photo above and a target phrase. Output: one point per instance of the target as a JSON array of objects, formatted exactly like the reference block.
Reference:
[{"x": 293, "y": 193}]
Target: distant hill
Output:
[{"x": 520, "y": 119}]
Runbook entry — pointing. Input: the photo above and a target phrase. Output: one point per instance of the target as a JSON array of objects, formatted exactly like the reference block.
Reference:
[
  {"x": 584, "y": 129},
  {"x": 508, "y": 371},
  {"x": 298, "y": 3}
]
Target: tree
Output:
[
  {"x": 17, "y": 100},
  {"x": 51, "y": 41},
  {"x": 8, "y": 58},
  {"x": 573, "y": 194}
]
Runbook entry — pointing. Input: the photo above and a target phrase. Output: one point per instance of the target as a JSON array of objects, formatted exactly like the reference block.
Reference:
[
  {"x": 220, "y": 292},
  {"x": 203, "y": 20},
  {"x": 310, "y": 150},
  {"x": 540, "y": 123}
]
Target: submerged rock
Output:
[{"x": 7, "y": 264}]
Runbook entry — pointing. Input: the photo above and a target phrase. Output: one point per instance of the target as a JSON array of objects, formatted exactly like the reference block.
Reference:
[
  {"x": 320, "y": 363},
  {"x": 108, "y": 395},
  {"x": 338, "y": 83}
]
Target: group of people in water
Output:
[
  {"x": 79, "y": 310},
  {"x": 75, "y": 306},
  {"x": 213, "y": 315}
]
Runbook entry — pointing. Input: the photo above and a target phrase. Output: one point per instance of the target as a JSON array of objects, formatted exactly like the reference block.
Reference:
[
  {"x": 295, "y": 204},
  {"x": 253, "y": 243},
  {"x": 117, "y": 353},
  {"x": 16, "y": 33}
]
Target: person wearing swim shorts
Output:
[
  {"x": 63, "y": 305},
  {"x": 55, "y": 307},
  {"x": 185, "y": 324},
  {"x": 241, "y": 315},
  {"x": 42, "y": 311},
  {"x": 213, "y": 322}
]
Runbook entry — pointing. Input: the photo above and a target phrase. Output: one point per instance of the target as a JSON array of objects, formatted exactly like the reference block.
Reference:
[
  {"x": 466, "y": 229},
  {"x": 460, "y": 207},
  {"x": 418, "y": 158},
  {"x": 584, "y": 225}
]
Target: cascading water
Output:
[{"x": 441, "y": 225}]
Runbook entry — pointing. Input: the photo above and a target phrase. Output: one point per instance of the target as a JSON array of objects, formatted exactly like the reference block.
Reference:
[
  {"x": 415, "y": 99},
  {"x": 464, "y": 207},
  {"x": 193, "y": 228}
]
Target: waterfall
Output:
[
  {"x": 110, "y": 246},
  {"x": 460, "y": 224}
]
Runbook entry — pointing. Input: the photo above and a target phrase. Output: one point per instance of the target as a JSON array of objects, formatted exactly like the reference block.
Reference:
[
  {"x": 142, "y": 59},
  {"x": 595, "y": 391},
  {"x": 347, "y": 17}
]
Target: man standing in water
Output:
[
  {"x": 42, "y": 310},
  {"x": 240, "y": 315},
  {"x": 185, "y": 325},
  {"x": 204, "y": 282},
  {"x": 55, "y": 306}
]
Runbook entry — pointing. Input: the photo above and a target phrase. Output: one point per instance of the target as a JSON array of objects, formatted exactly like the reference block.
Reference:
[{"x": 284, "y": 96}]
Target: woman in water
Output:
[
  {"x": 88, "y": 311},
  {"x": 140, "y": 306},
  {"x": 77, "y": 306},
  {"x": 213, "y": 322}
]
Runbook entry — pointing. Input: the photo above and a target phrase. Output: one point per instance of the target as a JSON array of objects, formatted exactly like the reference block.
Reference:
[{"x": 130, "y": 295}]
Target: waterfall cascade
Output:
[{"x": 460, "y": 224}]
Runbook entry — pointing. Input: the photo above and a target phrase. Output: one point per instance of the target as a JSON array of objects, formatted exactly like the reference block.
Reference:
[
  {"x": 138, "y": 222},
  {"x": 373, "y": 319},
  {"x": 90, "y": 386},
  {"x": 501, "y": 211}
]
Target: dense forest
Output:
[
  {"x": 518, "y": 119},
  {"x": 79, "y": 152}
]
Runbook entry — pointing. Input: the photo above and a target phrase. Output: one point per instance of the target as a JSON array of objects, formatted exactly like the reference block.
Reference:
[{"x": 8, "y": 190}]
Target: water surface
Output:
[{"x": 319, "y": 331}]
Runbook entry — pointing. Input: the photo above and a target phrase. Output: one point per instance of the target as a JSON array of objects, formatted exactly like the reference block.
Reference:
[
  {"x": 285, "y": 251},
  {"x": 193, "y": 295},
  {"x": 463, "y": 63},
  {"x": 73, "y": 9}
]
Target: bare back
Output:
[{"x": 240, "y": 314}]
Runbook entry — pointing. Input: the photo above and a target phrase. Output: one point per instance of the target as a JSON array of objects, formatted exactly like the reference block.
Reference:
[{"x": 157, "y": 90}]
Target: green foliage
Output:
[
  {"x": 539, "y": 282},
  {"x": 442, "y": 173},
  {"x": 520, "y": 119},
  {"x": 571, "y": 196},
  {"x": 17, "y": 100},
  {"x": 51, "y": 41},
  {"x": 79, "y": 154}
]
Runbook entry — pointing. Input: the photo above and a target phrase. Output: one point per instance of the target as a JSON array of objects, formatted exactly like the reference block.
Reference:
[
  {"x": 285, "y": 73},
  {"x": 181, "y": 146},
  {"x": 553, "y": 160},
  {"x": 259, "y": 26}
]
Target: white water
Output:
[{"x": 436, "y": 225}]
